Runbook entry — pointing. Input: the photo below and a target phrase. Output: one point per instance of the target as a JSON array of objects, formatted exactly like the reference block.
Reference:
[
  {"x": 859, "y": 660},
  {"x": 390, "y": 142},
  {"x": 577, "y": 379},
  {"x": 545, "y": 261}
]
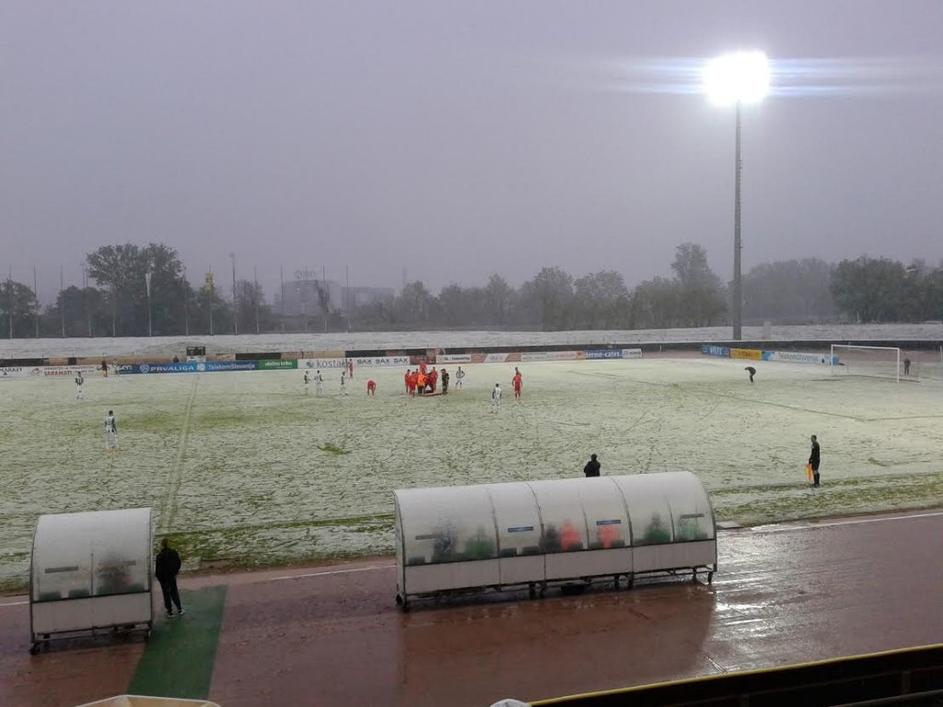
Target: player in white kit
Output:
[
  {"x": 344, "y": 382},
  {"x": 459, "y": 378},
  {"x": 307, "y": 380},
  {"x": 318, "y": 382},
  {"x": 79, "y": 382},
  {"x": 111, "y": 431},
  {"x": 496, "y": 397}
]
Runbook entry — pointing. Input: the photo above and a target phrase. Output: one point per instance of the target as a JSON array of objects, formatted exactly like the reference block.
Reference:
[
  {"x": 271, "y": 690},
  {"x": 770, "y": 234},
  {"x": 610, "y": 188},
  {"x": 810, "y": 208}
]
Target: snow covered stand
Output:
[
  {"x": 535, "y": 533},
  {"x": 90, "y": 571}
]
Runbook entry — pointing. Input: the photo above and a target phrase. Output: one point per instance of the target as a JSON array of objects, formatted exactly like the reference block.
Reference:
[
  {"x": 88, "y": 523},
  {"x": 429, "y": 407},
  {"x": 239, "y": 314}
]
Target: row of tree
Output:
[
  {"x": 142, "y": 289},
  {"x": 555, "y": 300}
]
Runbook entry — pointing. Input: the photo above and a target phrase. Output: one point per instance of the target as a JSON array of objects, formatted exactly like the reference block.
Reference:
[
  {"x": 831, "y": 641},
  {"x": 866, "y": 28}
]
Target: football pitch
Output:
[{"x": 246, "y": 469}]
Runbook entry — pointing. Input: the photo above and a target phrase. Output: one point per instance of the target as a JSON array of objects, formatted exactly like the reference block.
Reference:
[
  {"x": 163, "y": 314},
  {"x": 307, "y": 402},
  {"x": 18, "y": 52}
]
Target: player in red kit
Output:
[
  {"x": 372, "y": 388},
  {"x": 517, "y": 382},
  {"x": 406, "y": 380}
]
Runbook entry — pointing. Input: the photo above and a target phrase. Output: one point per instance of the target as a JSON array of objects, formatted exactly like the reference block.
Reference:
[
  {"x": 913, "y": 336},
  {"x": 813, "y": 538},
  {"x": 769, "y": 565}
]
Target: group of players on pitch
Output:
[{"x": 423, "y": 381}]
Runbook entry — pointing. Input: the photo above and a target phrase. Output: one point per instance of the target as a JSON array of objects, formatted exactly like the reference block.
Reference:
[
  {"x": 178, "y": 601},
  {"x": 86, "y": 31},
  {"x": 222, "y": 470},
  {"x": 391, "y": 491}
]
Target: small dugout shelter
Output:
[
  {"x": 90, "y": 571},
  {"x": 537, "y": 533}
]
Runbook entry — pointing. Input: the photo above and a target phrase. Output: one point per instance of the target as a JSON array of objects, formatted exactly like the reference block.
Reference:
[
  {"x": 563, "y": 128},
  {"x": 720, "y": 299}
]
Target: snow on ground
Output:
[
  {"x": 247, "y": 468},
  {"x": 169, "y": 345}
]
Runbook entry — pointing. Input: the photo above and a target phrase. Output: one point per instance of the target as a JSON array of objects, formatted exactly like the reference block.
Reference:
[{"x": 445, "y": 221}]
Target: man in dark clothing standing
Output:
[
  {"x": 166, "y": 568},
  {"x": 592, "y": 466},
  {"x": 445, "y": 382},
  {"x": 814, "y": 459}
]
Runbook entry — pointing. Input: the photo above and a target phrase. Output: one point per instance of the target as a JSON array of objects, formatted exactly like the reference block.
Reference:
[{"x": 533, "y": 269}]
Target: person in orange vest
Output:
[
  {"x": 570, "y": 537},
  {"x": 421, "y": 382}
]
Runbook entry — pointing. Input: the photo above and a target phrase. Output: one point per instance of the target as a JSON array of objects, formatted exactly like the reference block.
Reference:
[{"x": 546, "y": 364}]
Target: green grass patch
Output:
[{"x": 179, "y": 658}]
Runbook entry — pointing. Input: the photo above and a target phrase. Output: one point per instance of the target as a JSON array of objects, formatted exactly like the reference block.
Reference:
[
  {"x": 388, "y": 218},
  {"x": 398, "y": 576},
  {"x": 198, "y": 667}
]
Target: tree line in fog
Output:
[{"x": 133, "y": 290}]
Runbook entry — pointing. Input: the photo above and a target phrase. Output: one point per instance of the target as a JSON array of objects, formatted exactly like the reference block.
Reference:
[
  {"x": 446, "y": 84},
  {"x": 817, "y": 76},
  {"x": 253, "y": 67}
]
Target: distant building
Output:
[{"x": 302, "y": 296}]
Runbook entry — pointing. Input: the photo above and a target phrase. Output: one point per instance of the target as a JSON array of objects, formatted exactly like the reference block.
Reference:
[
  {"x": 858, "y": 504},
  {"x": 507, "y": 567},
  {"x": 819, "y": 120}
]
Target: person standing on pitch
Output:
[
  {"x": 350, "y": 368},
  {"x": 111, "y": 431},
  {"x": 318, "y": 382},
  {"x": 307, "y": 380},
  {"x": 459, "y": 377},
  {"x": 814, "y": 459},
  {"x": 445, "y": 382},
  {"x": 752, "y": 371},
  {"x": 496, "y": 397},
  {"x": 166, "y": 567},
  {"x": 406, "y": 380},
  {"x": 344, "y": 382},
  {"x": 592, "y": 467},
  {"x": 79, "y": 382},
  {"x": 517, "y": 382}
]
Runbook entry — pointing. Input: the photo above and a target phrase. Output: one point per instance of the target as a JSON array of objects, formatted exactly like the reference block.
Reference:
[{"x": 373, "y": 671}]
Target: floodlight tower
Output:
[{"x": 738, "y": 78}]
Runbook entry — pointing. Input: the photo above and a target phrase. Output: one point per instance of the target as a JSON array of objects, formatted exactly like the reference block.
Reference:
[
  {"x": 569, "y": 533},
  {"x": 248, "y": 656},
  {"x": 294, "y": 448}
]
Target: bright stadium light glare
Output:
[{"x": 741, "y": 77}]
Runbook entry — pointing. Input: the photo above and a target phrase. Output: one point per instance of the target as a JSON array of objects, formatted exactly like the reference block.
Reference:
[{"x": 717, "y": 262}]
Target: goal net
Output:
[{"x": 873, "y": 361}]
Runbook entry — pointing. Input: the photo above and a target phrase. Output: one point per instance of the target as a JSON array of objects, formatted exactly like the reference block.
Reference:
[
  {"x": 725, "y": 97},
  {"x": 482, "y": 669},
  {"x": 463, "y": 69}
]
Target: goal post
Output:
[{"x": 873, "y": 361}]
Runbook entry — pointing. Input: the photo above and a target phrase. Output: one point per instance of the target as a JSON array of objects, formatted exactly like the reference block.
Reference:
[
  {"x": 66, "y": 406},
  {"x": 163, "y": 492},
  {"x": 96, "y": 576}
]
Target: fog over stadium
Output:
[{"x": 455, "y": 141}]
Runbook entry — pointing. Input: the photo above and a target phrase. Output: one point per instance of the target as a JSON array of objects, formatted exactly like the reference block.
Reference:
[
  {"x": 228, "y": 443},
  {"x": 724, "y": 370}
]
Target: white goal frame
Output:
[{"x": 834, "y": 361}]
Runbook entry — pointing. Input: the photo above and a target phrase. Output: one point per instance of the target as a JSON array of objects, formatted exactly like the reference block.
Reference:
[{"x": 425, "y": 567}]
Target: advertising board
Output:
[
  {"x": 67, "y": 371},
  {"x": 798, "y": 357},
  {"x": 379, "y": 361},
  {"x": 711, "y": 350},
  {"x": 213, "y": 366},
  {"x": 453, "y": 358},
  {"x": 11, "y": 372},
  {"x": 148, "y": 368},
  {"x": 631, "y": 353},
  {"x": 277, "y": 364},
  {"x": 319, "y": 363},
  {"x": 751, "y": 354},
  {"x": 552, "y": 356},
  {"x": 494, "y": 358},
  {"x": 593, "y": 354}
]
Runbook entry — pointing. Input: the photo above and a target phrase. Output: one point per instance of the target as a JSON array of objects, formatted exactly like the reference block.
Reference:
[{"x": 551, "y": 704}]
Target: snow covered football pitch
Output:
[{"x": 248, "y": 468}]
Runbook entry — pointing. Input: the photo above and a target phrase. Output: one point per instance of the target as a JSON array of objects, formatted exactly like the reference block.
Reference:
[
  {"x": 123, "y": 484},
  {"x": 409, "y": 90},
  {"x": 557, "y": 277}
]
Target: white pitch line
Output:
[
  {"x": 860, "y": 521},
  {"x": 322, "y": 574},
  {"x": 14, "y": 603}
]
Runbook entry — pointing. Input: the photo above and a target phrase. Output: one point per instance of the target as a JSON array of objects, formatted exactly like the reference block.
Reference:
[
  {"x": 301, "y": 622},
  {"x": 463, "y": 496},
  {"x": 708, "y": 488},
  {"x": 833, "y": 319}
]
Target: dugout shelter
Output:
[
  {"x": 537, "y": 533},
  {"x": 90, "y": 572}
]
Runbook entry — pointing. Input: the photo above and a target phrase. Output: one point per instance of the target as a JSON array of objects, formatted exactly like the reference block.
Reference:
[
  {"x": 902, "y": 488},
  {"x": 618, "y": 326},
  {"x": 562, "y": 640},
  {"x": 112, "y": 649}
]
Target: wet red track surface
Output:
[{"x": 332, "y": 636}]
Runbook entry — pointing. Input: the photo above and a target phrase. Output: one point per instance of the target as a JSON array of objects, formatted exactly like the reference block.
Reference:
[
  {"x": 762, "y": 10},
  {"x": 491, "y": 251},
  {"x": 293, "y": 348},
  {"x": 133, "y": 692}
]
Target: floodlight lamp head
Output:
[{"x": 740, "y": 77}]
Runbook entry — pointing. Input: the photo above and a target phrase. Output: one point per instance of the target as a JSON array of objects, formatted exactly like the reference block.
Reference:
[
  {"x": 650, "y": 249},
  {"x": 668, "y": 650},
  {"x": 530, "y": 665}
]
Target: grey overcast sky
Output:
[{"x": 460, "y": 139}]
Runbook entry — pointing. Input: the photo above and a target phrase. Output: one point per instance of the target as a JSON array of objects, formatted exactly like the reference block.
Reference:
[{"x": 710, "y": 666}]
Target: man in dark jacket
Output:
[
  {"x": 814, "y": 459},
  {"x": 592, "y": 466},
  {"x": 166, "y": 568}
]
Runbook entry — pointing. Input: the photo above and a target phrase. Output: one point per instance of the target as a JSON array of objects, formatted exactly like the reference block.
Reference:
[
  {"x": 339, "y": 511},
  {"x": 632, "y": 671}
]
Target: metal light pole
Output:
[
  {"x": 739, "y": 78},
  {"x": 147, "y": 286},
  {"x": 737, "y": 245},
  {"x": 186, "y": 303},
  {"x": 255, "y": 295},
  {"x": 212, "y": 286},
  {"x": 235, "y": 313},
  {"x": 62, "y": 299},
  {"x": 10, "y": 293}
]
